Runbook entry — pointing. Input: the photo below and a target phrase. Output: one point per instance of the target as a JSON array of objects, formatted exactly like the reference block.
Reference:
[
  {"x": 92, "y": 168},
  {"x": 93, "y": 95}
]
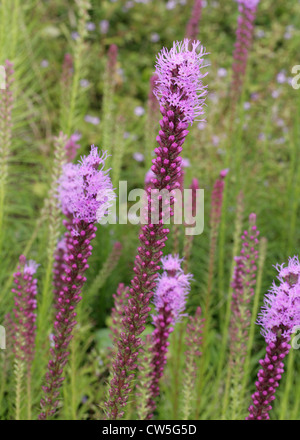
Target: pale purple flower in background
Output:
[
  {"x": 74, "y": 35},
  {"x": 90, "y": 26},
  {"x": 84, "y": 83},
  {"x": 275, "y": 94},
  {"x": 281, "y": 77},
  {"x": 215, "y": 140},
  {"x": 247, "y": 106},
  {"x": 104, "y": 26},
  {"x": 170, "y": 5},
  {"x": 154, "y": 37},
  {"x": 92, "y": 119},
  {"x": 44, "y": 64},
  {"x": 185, "y": 163},
  {"x": 222, "y": 72},
  {"x": 139, "y": 110},
  {"x": 139, "y": 157},
  {"x": 201, "y": 125}
]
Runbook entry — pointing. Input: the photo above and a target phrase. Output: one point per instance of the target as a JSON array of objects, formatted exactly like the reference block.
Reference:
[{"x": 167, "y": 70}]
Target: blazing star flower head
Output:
[
  {"x": 281, "y": 310},
  {"x": 179, "y": 79},
  {"x": 173, "y": 287},
  {"x": 85, "y": 191},
  {"x": 172, "y": 264}
]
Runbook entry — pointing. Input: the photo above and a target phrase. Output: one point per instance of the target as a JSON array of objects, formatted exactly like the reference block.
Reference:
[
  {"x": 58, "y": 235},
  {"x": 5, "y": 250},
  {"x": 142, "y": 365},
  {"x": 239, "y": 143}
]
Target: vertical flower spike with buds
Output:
[
  {"x": 279, "y": 315},
  {"x": 117, "y": 312},
  {"x": 243, "y": 290},
  {"x": 24, "y": 327},
  {"x": 181, "y": 94},
  {"x": 170, "y": 299},
  {"x": 193, "y": 341},
  {"x": 244, "y": 37},
  {"x": 192, "y": 29},
  {"x": 6, "y": 105},
  {"x": 85, "y": 192}
]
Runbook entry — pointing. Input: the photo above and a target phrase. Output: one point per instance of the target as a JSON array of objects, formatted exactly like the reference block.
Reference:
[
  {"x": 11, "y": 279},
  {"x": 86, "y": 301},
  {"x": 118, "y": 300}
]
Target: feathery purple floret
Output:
[
  {"x": 179, "y": 83},
  {"x": 279, "y": 315},
  {"x": 172, "y": 288},
  {"x": 85, "y": 191},
  {"x": 281, "y": 310}
]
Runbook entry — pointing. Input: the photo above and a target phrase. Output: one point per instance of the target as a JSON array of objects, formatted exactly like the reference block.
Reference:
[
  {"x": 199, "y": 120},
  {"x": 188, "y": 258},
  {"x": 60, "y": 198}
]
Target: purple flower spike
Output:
[
  {"x": 170, "y": 301},
  {"x": 25, "y": 310},
  {"x": 79, "y": 190},
  {"x": 279, "y": 315},
  {"x": 181, "y": 95},
  {"x": 244, "y": 37},
  {"x": 85, "y": 191},
  {"x": 179, "y": 84},
  {"x": 192, "y": 29}
]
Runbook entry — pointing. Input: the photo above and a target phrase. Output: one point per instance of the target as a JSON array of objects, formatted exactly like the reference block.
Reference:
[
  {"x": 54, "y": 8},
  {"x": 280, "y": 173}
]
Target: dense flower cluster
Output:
[
  {"x": 80, "y": 186},
  {"x": 181, "y": 95},
  {"x": 169, "y": 300},
  {"x": 25, "y": 291},
  {"x": 85, "y": 191},
  {"x": 279, "y": 315},
  {"x": 179, "y": 85}
]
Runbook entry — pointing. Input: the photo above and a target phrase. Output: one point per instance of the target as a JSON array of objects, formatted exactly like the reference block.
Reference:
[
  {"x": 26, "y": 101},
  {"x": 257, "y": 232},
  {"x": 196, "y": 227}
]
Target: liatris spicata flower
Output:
[
  {"x": 181, "y": 94},
  {"x": 193, "y": 342},
  {"x": 85, "y": 192},
  {"x": 169, "y": 300},
  {"x": 6, "y": 106},
  {"x": 24, "y": 326},
  {"x": 244, "y": 37},
  {"x": 192, "y": 29},
  {"x": 279, "y": 315},
  {"x": 243, "y": 290}
]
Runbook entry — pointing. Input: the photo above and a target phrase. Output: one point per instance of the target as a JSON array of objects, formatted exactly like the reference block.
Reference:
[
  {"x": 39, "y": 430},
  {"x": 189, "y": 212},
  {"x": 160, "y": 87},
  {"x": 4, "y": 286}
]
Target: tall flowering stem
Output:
[
  {"x": 85, "y": 192},
  {"x": 6, "y": 106},
  {"x": 243, "y": 44},
  {"x": 169, "y": 299},
  {"x": 279, "y": 315},
  {"x": 24, "y": 324},
  {"x": 192, "y": 29},
  {"x": 181, "y": 93},
  {"x": 193, "y": 342}
]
